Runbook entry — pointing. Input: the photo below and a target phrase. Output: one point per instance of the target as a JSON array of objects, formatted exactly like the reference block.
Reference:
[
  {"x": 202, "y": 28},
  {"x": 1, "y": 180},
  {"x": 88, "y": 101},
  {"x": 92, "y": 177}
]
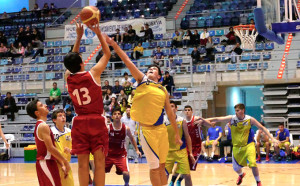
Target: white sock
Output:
[
  {"x": 212, "y": 154},
  {"x": 257, "y": 178},
  {"x": 242, "y": 174},
  {"x": 205, "y": 154}
]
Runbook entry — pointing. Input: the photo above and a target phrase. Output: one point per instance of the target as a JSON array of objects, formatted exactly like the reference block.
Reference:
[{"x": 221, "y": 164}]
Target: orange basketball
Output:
[{"x": 90, "y": 15}]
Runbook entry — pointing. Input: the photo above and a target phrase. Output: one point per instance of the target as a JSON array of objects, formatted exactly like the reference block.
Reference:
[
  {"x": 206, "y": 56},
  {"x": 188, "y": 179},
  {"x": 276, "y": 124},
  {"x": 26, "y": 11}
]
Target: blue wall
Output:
[{"x": 13, "y": 5}]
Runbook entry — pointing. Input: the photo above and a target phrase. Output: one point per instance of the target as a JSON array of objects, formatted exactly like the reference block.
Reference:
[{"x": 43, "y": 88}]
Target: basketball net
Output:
[{"x": 247, "y": 34}]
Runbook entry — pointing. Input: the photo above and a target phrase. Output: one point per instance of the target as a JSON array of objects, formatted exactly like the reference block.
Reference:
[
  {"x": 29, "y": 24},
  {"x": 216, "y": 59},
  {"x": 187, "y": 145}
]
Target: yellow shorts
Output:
[
  {"x": 240, "y": 155},
  {"x": 210, "y": 142},
  {"x": 181, "y": 157},
  {"x": 69, "y": 181},
  {"x": 155, "y": 144},
  {"x": 282, "y": 145}
]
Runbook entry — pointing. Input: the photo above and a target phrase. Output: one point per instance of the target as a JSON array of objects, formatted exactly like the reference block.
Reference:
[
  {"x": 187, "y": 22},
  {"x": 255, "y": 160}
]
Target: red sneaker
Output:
[
  {"x": 267, "y": 158},
  {"x": 240, "y": 179},
  {"x": 258, "y": 158},
  {"x": 259, "y": 183}
]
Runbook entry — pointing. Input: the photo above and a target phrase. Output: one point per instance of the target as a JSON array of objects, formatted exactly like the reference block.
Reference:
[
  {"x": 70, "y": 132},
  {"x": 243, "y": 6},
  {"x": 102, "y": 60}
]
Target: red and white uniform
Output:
[
  {"x": 46, "y": 166},
  {"x": 195, "y": 134},
  {"x": 89, "y": 132},
  {"x": 117, "y": 154}
]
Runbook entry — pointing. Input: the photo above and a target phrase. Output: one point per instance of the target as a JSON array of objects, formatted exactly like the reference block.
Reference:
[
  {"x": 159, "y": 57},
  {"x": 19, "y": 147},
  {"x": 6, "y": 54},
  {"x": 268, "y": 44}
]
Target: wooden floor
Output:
[{"x": 24, "y": 174}]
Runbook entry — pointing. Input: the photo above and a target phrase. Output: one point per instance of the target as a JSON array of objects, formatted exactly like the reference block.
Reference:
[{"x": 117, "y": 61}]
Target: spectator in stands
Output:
[
  {"x": 68, "y": 104},
  {"x": 117, "y": 36},
  {"x": 24, "y": 9},
  {"x": 69, "y": 117},
  {"x": 172, "y": 65},
  {"x": 55, "y": 95},
  {"x": 45, "y": 9},
  {"x": 3, "y": 39},
  {"x": 3, "y": 50},
  {"x": 186, "y": 39},
  {"x": 29, "y": 50},
  {"x": 121, "y": 96},
  {"x": 127, "y": 88},
  {"x": 117, "y": 88},
  {"x": 36, "y": 7},
  {"x": 137, "y": 51},
  {"x": 204, "y": 37},
  {"x": 177, "y": 40},
  {"x": 10, "y": 106},
  {"x": 5, "y": 16},
  {"x": 125, "y": 79},
  {"x": 53, "y": 9},
  {"x": 28, "y": 34},
  {"x": 21, "y": 36},
  {"x": 131, "y": 34},
  {"x": 123, "y": 105},
  {"x": 195, "y": 56},
  {"x": 148, "y": 33},
  {"x": 141, "y": 35},
  {"x": 259, "y": 38},
  {"x": 227, "y": 142},
  {"x": 283, "y": 135},
  {"x": 125, "y": 36},
  {"x": 158, "y": 57},
  {"x": 196, "y": 38},
  {"x": 236, "y": 51},
  {"x": 20, "y": 50},
  {"x": 262, "y": 140},
  {"x": 98, "y": 57},
  {"x": 130, "y": 97},
  {"x": 214, "y": 134},
  {"x": 40, "y": 48},
  {"x": 209, "y": 47},
  {"x": 106, "y": 86},
  {"x": 231, "y": 37},
  {"x": 113, "y": 104},
  {"x": 168, "y": 82},
  {"x": 107, "y": 99},
  {"x": 36, "y": 34}
]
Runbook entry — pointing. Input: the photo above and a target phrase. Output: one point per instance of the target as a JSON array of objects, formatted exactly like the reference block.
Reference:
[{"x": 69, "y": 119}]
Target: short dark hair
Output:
[
  {"x": 72, "y": 62},
  {"x": 159, "y": 71},
  {"x": 281, "y": 124},
  {"x": 8, "y": 93},
  {"x": 68, "y": 109},
  {"x": 167, "y": 72},
  {"x": 128, "y": 106},
  {"x": 54, "y": 83},
  {"x": 31, "y": 108},
  {"x": 125, "y": 73},
  {"x": 240, "y": 106},
  {"x": 117, "y": 109},
  {"x": 173, "y": 102},
  {"x": 188, "y": 106},
  {"x": 55, "y": 113}
]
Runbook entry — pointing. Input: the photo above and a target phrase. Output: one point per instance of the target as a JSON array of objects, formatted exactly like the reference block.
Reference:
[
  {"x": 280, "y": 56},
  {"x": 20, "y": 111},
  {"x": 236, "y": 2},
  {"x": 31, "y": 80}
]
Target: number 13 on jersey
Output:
[{"x": 85, "y": 95}]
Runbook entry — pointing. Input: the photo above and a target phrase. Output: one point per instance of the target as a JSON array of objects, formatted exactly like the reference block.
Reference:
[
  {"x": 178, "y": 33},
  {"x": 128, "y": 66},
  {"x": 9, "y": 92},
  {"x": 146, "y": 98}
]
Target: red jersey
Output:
[
  {"x": 195, "y": 132},
  {"x": 117, "y": 141},
  {"x": 85, "y": 93},
  {"x": 42, "y": 153}
]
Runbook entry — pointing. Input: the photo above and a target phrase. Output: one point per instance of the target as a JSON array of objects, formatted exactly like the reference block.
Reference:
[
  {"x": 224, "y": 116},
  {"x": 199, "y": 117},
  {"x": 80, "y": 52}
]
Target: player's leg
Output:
[
  {"x": 267, "y": 150},
  {"x": 126, "y": 178},
  {"x": 173, "y": 179},
  {"x": 238, "y": 161},
  {"x": 250, "y": 152},
  {"x": 188, "y": 179},
  {"x": 162, "y": 174},
  {"x": 170, "y": 166},
  {"x": 287, "y": 149},
  {"x": 183, "y": 167},
  {"x": 203, "y": 150},
  {"x": 214, "y": 146},
  {"x": 258, "y": 150},
  {"x": 99, "y": 175},
  {"x": 83, "y": 169}
]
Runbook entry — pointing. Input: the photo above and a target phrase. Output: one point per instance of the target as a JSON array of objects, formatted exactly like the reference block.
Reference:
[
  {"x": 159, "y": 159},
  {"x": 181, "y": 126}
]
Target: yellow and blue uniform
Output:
[
  {"x": 282, "y": 137},
  {"x": 62, "y": 140},
  {"x": 147, "y": 109},
  {"x": 177, "y": 153},
  {"x": 243, "y": 142},
  {"x": 213, "y": 134}
]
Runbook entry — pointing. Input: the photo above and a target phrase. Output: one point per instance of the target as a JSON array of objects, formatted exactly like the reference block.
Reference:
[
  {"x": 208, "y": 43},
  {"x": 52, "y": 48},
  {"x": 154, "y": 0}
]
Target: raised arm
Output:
[
  {"x": 188, "y": 140},
  {"x": 136, "y": 73},
  {"x": 201, "y": 121},
  {"x": 133, "y": 141},
  {"x": 224, "y": 119}
]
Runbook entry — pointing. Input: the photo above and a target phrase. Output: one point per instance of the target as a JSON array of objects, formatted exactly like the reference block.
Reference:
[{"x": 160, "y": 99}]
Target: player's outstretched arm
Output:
[
  {"x": 101, "y": 65},
  {"x": 201, "y": 121},
  {"x": 136, "y": 73},
  {"x": 3, "y": 138},
  {"x": 44, "y": 134},
  {"x": 224, "y": 119},
  {"x": 188, "y": 140},
  {"x": 133, "y": 141}
]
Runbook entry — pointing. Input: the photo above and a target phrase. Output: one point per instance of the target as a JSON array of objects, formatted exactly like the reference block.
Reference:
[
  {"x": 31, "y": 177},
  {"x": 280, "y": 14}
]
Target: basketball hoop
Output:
[{"x": 247, "y": 38}]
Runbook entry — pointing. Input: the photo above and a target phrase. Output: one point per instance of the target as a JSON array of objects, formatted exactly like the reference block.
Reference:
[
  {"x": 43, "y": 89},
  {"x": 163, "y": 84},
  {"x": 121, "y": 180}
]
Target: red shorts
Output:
[
  {"x": 47, "y": 172},
  {"x": 120, "y": 162},
  {"x": 196, "y": 153},
  {"x": 89, "y": 133}
]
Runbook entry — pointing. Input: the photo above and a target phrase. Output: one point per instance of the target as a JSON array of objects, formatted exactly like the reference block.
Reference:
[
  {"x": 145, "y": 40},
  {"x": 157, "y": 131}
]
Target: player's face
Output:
[
  {"x": 153, "y": 74},
  {"x": 188, "y": 112},
  {"x": 61, "y": 118},
  {"x": 42, "y": 109},
  {"x": 173, "y": 107},
  {"x": 239, "y": 112},
  {"x": 128, "y": 111},
  {"x": 116, "y": 116},
  {"x": 281, "y": 128},
  {"x": 213, "y": 124}
]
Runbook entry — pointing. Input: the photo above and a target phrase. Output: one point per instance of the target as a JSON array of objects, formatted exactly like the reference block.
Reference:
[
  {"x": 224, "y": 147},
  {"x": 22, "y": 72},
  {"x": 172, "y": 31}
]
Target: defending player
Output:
[
  {"x": 117, "y": 154},
  {"x": 243, "y": 150},
  {"x": 89, "y": 132},
  {"x": 63, "y": 143},
  {"x": 47, "y": 153},
  {"x": 149, "y": 102}
]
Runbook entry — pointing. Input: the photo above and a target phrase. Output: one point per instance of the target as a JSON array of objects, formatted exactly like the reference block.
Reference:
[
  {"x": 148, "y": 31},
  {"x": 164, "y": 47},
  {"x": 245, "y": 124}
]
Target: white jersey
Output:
[{"x": 129, "y": 123}]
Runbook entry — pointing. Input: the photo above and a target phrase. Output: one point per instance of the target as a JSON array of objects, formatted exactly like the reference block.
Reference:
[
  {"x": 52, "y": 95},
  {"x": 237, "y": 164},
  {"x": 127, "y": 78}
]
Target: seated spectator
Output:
[
  {"x": 262, "y": 140},
  {"x": 21, "y": 36},
  {"x": 186, "y": 39},
  {"x": 20, "y": 50},
  {"x": 177, "y": 40},
  {"x": 125, "y": 36},
  {"x": 107, "y": 99},
  {"x": 123, "y": 105},
  {"x": 10, "y": 106},
  {"x": 45, "y": 9},
  {"x": 209, "y": 47},
  {"x": 125, "y": 79},
  {"x": 195, "y": 56},
  {"x": 106, "y": 86},
  {"x": 130, "y": 97},
  {"x": 53, "y": 9},
  {"x": 3, "y": 50},
  {"x": 40, "y": 48},
  {"x": 168, "y": 82},
  {"x": 214, "y": 135},
  {"x": 121, "y": 96},
  {"x": 36, "y": 7},
  {"x": 36, "y": 34},
  {"x": 28, "y": 35},
  {"x": 226, "y": 143},
  {"x": 117, "y": 36},
  {"x": 236, "y": 52},
  {"x": 158, "y": 57},
  {"x": 204, "y": 37},
  {"x": 3, "y": 39},
  {"x": 148, "y": 33},
  {"x": 172, "y": 65},
  {"x": 117, "y": 88},
  {"x": 282, "y": 135},
  {"x": 127, "y": 88},
  {"x": 5, "y": 16},
  {"x": 137, "y": 52},
  {"x": 69, "y": 117},
  {"x": 196, "y": 38},
  {"x": 141, "y": 35},
  {"x": 29, "y": 50},
  {"x": 113, "y": 104},
  {"x": 68, "y": 104},
  {"x": 55, "y": 96},
  {"x": 231, "y": 37},
  {"x": 131, "y": 34},
  {"x": 24, "y": 9}
]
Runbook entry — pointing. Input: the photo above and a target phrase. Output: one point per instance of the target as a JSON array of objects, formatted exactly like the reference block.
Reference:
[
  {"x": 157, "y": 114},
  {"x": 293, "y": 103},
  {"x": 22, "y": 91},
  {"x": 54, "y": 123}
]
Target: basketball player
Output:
[
  {"x": 117, "y": 154},
  {"x": 47, "y": 153},
  {"x": 240, "y": 125},
  {"x": 262, "y": 140},
  {"x": 178, "y": 153},
  {"x": 149, "y": 102},
  {"x": 89, "y": 131},
  {"x": 63, "y": 143}
]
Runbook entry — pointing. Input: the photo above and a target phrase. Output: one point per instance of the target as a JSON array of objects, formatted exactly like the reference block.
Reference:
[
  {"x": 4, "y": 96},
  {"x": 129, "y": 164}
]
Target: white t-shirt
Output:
[
  {"x": 123, "y": 81},
  {"x": 129, "y": 123}
]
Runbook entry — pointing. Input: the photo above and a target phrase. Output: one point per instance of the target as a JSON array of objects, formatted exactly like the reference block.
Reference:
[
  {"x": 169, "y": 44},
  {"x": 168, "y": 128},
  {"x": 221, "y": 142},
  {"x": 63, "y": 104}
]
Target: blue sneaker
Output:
[
  {"x": 171, "y": 183},
  {"x": 178, "y": 183},
  {"x": 221, "y": 160}
]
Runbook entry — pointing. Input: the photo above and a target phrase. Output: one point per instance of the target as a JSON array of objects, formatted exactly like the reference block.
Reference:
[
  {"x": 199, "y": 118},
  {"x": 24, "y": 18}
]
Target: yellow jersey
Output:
[
  {"x": 62, "y": 140},
  {"x": 240, "y": 130},
  {"x": 148, "y": 103},
  {"x": 171, "y": 133}
]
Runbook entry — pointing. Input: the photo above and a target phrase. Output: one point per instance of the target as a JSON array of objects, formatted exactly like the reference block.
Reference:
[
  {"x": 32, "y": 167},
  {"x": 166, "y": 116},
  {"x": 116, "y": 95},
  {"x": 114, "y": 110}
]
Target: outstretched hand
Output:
[
  {"x": 79, "y": 29},
  {"x": 109, "y": 40},
  {"x": 95, "y": 28}
]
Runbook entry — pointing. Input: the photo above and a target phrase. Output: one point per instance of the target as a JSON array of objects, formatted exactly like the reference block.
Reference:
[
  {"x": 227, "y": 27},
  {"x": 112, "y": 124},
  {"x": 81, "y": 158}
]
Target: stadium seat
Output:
[
  {"x": 145, "y": 45},
  {"x": 50, "y": 51},
  {"x": 265, "y": 66},
  {"x": 219, "y": 33},
  {"x": 201, "y": 22},
  {"x": 216, "y": 40},
  {"x": 82, "y": 49},
  {"x": 49, "y": 44},
  {"x": 174, "y": 52},
  {"x": 153, "y": 44},
  {"x": 66, "y": 50},
  {"x": 18, "y": 61},
  {"x": 58, "y": 59},
  {"x": 167, "y": 51},
  {"x": 269, "y": 46},
  {"x": 58, "y": 43},
  {"x": 252, "y": 66},
  {"x": 58, "y": 76},
  {"x": 201, "y": 68},
  {"x": 50, "y": 67},
  {"x": 231, "y": 67},
  {"x": 58, "y": 67},
  {"x": 259, "y": 46},
  {"x": 162, "y": 44},
  {"x": 65, "y": 42},
  {"x": 42, "y": 59},
  {"x": 168, "y": 35},
  {"x": 57, "y": 50},
  {"x": 49, "y": 76},
  {"x": 50, "y": 59},
  {"x": 267, "y": 56},
  {"x": 255, "y": 56},
  {"x": 212, "y": 33},
  {"x": 246, "y": 57},
  {"x": 243, "y": 66},
  {"x": 158, "y": 36},
  {"x": 220, "y": 49}
]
